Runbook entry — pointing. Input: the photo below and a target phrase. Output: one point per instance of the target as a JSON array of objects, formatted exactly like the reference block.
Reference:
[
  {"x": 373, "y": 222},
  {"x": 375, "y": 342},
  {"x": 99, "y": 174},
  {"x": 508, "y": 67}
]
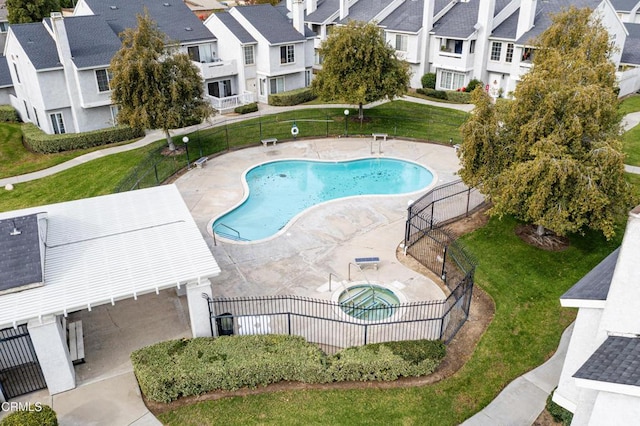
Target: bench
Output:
[
  {"x": 76, "y": 342},
  {"x": 268, "y": 141},
  {"x": 364, "y": 261},
  {"x": 379, "y": 135},
  {"x": 200, "y": 162}
]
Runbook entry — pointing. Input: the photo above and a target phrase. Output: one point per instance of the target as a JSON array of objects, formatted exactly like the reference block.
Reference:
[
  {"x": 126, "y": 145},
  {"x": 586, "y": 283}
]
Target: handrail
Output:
[
  {"x": 373, "y": 290},
  {"x": 230, "y": 228}
]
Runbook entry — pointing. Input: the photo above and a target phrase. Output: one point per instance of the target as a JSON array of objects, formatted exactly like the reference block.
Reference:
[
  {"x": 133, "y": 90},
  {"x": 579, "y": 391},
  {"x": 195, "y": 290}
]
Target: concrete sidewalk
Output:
[{"x": 522, "y": 401}]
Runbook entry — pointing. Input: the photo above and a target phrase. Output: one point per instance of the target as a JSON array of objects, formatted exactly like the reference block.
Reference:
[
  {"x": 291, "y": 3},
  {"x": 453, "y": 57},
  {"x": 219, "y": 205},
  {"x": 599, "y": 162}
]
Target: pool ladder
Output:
[{"x": 236, "y": 237}]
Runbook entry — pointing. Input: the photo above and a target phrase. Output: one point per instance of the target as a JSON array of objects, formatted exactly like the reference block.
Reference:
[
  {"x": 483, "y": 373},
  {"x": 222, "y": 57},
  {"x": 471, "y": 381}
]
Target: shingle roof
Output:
[
  {"x": 545, "y": 10},
  {"x": 20, "y": 258},
  {"x": 37, "y": 44},
  {"x": 617, "y": 360},
  {"x": 631, "y": 50},
  {"x": 407, "y": 17},
  {"x": 595, "y": 285},
  {"x": 5, "y": 75},
  {"x": 459, "y": 21},
  {"x": 93, "y": 43},
  {"x": 624, "y": 5},
  {"x": 175, "y": 20},
  {"x": 270, "y": 23},
  {"x": 234, "y": 26},
  {"x": 364, "y": 10},
  {"x": 508, "y": 28},
  {"x": 325, "y": 9}
]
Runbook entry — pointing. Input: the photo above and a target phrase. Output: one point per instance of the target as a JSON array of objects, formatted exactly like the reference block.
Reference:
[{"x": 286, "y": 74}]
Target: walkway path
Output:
[{"x": 217, "y": 120}]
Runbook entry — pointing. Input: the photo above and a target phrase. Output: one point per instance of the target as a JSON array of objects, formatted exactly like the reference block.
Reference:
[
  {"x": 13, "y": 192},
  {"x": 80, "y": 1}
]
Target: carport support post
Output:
[
  {"x": 50, "y": 343},
  {"x": 199, "y": 308}
]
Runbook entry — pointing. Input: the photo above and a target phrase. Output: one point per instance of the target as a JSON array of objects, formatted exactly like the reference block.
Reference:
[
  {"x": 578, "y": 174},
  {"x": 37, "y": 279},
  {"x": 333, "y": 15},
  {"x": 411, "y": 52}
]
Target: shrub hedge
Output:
[
  {"x": 428, "y": 80},
  {"x": 176, "y": 368},
  {"x": 292, "y": 97},
  {"x": 459, "y": 97},
  {"x": 41, "y": 142},
  {"x": 438, "y": 94},
  {"x": 559, "y": 414},
  {"x": 245, "y": 109},
  {"x": 45, "y": 417},
  {"x": 8, "y": 114}
]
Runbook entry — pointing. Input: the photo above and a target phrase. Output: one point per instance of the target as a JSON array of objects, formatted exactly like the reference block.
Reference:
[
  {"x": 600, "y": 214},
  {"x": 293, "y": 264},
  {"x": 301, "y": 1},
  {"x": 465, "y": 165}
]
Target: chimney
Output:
[
  {"x": 526, "y": 16},
  {"x": 483, "y": 27},
  {"x": 427, "y": 26},
  {"x": 312, "y": 5},
  {"x": 344, "y": 9},
  {"x": 297, "y": 10},
  {"x": 60, "y": 37}
]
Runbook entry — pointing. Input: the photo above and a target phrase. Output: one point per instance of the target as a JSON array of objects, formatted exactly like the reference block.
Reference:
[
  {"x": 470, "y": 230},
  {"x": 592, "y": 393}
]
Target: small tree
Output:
[
  {"x": 553, "y": 156},
  {"x": 360, "y": 67},
  {"x": 155, "y": 87},
  {"x": 25, "y": 11}
]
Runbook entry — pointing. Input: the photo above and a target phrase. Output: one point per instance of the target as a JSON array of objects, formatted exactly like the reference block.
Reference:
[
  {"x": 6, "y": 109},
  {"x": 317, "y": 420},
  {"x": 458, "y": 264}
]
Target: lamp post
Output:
[
  {"x": 186, "y": 147},
  {"x": 346, "y": 122}
]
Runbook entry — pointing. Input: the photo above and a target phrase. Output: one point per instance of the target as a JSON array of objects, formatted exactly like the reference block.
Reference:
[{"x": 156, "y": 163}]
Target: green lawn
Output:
[
  {"x": 630, "y": 104},
  {"x": 525, "y": 284}
]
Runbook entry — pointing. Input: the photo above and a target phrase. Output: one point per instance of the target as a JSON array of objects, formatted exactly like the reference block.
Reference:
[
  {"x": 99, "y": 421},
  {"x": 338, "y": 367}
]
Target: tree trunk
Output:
[
  {"x": 360, "y": 113},
  {"x": 172, "y": 146},
  {"x": 540, "y": 230}
]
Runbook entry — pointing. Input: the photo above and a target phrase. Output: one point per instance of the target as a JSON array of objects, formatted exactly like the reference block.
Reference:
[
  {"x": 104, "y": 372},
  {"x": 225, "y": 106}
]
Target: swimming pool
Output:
[{"x": 277, "y": 191}]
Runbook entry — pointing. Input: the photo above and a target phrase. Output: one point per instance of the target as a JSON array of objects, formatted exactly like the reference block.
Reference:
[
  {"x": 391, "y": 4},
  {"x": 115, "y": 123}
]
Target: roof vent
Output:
[
  {"x": 113, "y": 7},
  {"x": 188, "y": 29},
  {"x": 166, "y": 4}
]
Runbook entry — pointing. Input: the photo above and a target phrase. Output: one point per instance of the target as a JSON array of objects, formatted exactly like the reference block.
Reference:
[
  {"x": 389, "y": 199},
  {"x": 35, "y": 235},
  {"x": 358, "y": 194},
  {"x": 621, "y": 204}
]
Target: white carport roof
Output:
[{"x": 103, "y": 249}]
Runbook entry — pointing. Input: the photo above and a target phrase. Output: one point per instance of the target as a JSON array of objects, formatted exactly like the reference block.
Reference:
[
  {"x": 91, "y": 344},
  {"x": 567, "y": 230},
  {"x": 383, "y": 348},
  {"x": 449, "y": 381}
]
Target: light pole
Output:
[
  {"x": 186, "y": 147},
  {"x": 346, "y": 122}
]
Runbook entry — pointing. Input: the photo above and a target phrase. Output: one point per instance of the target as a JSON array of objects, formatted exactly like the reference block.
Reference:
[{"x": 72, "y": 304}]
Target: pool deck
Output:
[{"x": 324, "y": 239}]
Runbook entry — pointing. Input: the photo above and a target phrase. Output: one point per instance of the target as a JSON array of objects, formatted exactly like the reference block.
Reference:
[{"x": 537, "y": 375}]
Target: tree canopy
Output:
[
  {"x": 552, "y": 156},
  {"x": 154, "y": 86},
  {"x": 359, "y": 66},
  {"x": 25, "y": 11}
]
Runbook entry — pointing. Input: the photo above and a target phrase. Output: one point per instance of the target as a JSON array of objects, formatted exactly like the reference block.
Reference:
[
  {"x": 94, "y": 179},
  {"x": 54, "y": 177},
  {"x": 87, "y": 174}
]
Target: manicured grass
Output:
[
  {"x": 630, "y": 104},
  {"x": 525, "y": 284}
]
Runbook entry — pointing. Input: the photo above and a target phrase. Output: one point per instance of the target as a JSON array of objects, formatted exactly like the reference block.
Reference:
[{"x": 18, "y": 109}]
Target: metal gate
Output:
[{"x": 20, "y": 370}]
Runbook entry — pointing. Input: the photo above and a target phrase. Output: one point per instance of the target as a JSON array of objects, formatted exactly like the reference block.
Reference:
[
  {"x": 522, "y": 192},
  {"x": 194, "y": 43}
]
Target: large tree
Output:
[
  {"x": 553, "y": 157},
  {"x": 24, "y": 11},
  {"x": 359, "y": 66},
  {"x": 154, "y": 86}
]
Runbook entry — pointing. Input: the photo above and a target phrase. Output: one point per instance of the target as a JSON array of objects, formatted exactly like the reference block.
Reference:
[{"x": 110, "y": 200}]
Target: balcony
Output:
[
  {"x": 217, "y": 68},
  {"x": 228, "y": 103}
]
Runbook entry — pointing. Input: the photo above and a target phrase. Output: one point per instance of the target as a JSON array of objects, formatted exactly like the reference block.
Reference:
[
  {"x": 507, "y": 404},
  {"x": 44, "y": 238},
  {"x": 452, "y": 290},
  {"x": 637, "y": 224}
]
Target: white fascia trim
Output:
[
  {"x": 583, "y": 303},
  {"x": 609, "y": 387}
]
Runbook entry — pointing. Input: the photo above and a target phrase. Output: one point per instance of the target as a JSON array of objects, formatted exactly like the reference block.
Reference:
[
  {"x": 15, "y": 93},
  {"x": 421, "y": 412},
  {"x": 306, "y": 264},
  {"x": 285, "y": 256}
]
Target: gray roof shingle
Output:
[
  {"x": 20, "y": 260},
  {"x": 459, "y": 21},
  {"x": 407, "y": 17},
  {"x": 545, "y": 10},
  {"x": 631, "y": 50},
  {"x": 93, "y": 43},
  {"x": 508, "y": 28},
  {"x": 270, "y": 23},
  {"x": 325, "y": 9},
  {"x": 37, "y": 44},
  {"x": 595, "y": 285},
  {"x": 617, "y": 360},
  {"x": 5, "y": 75},
  {"x": 364, "y": 10},
  {"x": 175, "y": 19},
  {"x": 624, "y": 5},
  {"x": 236, "y": 29}
]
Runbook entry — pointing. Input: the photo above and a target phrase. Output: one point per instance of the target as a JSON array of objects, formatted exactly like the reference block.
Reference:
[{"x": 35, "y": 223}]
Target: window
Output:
[
  {"x": 15, "y": 68},
  {"x": 57, "y": 123},
  {"x": 4, "y": 27},
  {"x": 509, "y": 57},
  {"x": 286, "y": 54},
  {"x": 457, "y": 47},
  {"x": 527, "y": 54},
  {"x": 276, "y": 85},
  {"x": 115, "y": 109},
  {"x": 450, "y": 80},
  {"x": 317, "y": 57},
  {"x": 194, "y": 53},
  {"x": 496, "y": 48},
  {"x": 472, "y": 46},
  {"x": 103, "y": 77},
  {"x": 26, "y": 109},
  {"x": 219, "y": 89},
  {"x": 307, "y": 78},
  {"x": 249, "y": 56},
  {"x": 401, "y": 42},
  {"x": 35, "y": 114}
]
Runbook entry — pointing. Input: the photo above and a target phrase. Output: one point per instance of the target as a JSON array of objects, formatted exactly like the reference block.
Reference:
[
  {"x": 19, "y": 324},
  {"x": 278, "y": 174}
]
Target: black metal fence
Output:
[
  {"x": 20, "y": 370},
  {"x": 435, "y": 126},
  {"x": 339, "y": 325}
]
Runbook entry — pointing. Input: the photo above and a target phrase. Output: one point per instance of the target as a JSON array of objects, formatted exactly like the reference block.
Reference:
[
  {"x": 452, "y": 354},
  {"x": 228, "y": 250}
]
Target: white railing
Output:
[
  {"x": 217, "y": 68},
  {"x": 230, "y": 102}
]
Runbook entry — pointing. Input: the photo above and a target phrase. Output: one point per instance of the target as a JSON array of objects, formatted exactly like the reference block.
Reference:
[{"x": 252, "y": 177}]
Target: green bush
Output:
[
  {"x": 473, "y": 84},
  {"x": 558, "y": 413},
  {"x": 459, "y": 97},
  {"x": 429, "y": 80},
  {"x": 292, "y": 97},
  {"x": 37, "y": 415},
  {"x": 245, "y": 109},
  {"x": 8, "y": 114},
  {"x": 432, "y": 93},
  {"x": 176, "y": 368},
  {"x": 41, "y": 142}
]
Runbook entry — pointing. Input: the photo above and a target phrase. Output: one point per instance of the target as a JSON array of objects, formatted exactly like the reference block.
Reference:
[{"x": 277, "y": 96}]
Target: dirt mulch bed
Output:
[{"x": 459, "y": 350}]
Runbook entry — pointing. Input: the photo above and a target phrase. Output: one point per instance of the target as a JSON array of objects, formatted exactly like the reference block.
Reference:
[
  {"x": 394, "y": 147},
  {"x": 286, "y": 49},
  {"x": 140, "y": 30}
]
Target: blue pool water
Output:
[{"x": 280, "y": 190}]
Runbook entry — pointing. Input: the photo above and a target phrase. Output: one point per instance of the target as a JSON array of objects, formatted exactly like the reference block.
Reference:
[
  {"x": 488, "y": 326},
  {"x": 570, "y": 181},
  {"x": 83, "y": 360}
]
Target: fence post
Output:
[
  {"x": 226, "y": 132},
  {"x": 443, "y": 274},
  {"x": 433, "y": 203},
  {"x": 366, "y": 327},
  {"x": 260, "y": 126},
  {"x": 289, "y": 323},
  {"x": 468, "y": 200}
]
